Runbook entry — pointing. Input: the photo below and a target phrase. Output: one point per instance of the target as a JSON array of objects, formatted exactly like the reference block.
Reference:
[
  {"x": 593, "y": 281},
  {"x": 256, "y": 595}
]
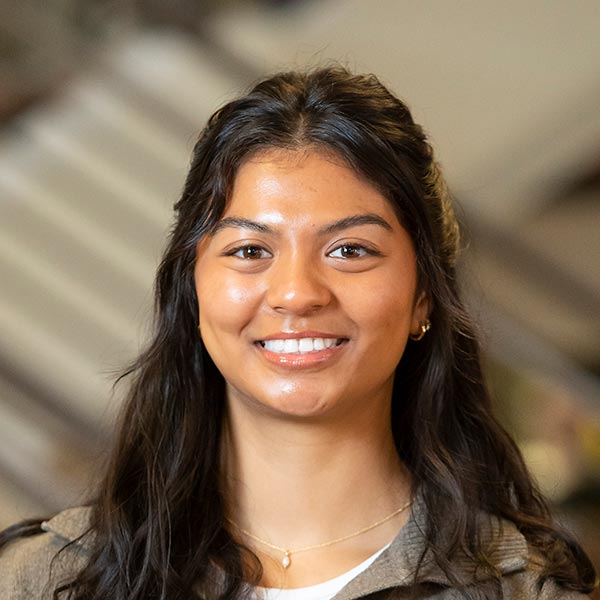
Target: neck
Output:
[{"x": 297, "y": 482}]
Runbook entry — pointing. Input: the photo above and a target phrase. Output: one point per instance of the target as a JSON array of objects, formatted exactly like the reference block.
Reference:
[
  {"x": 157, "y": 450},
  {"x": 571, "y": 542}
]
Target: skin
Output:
[{"x": 286, "y": 261}]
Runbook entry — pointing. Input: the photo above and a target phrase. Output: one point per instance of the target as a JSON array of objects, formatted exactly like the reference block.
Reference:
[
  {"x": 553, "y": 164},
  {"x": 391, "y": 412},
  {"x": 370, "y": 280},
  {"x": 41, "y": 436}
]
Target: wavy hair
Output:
[{"x": 158, "y": 518}]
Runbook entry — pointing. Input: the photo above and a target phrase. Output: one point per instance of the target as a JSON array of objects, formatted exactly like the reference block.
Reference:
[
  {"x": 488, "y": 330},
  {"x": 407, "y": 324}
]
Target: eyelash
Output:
[
  {"x": 367, "y": 251},
  {"x": 235, "y": 251}
]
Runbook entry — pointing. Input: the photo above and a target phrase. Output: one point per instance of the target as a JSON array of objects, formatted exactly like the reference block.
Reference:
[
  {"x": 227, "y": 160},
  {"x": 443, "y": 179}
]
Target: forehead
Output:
[{"x": 308, "y": 182}]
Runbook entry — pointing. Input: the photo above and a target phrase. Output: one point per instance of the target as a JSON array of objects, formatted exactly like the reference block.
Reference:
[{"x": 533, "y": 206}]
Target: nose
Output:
[{"x": 297, "y": 285}]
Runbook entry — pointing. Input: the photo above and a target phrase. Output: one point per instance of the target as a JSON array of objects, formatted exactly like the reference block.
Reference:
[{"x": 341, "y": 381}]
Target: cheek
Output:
[
  {"x": 390, "y": 327},
  {"x": 385, "y": 318},
  {"x": 387, "y": 307},
  {"x": 235, "y": 294},
  {"x": 225, "y": 303}
]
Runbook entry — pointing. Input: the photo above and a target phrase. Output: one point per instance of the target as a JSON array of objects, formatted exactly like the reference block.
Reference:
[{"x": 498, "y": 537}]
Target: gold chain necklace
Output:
[{"x": 286, "y": 561}]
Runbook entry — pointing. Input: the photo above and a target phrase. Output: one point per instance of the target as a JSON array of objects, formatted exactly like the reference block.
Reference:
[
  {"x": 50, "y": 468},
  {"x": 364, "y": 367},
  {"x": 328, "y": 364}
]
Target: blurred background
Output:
[{"x": 100, "y": 104}]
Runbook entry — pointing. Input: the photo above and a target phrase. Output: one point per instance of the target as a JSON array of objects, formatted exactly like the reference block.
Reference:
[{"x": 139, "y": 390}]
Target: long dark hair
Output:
[{"x": 158, "y": 519}]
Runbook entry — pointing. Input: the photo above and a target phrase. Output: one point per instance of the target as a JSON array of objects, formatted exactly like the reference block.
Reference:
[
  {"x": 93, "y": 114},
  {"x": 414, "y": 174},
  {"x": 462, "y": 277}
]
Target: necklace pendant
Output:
[{"x": 286, "y": 561}]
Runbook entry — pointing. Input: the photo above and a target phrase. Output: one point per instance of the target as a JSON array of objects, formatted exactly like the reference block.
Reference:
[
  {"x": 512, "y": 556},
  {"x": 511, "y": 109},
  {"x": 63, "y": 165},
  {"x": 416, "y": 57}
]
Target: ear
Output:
[{"x": 420, "y": 313}]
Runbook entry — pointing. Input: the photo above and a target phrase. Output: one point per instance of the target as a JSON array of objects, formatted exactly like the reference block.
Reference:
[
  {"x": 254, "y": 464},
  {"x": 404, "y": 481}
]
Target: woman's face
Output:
[{"x": 307, "y": 290}]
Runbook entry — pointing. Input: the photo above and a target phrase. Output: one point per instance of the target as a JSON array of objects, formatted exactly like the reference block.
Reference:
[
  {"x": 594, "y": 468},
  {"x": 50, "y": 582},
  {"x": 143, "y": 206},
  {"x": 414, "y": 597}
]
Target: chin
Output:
[{"x": 299, "y": 408}]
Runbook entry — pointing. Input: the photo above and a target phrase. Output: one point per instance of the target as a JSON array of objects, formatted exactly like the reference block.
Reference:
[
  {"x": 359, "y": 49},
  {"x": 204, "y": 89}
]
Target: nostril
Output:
[{"x": 298, "y": 300}]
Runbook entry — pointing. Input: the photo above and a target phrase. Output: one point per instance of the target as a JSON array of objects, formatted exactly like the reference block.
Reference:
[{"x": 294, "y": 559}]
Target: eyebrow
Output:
[
  {"x": 240, "y": 223},
  {"x": 355, "y": 221},
  {"x": 339, "y": 225}
]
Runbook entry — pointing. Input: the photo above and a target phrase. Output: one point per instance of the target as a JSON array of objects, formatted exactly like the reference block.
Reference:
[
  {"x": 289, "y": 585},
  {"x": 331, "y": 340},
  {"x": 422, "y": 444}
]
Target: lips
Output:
[
  {"x": 306, "y": 350},
  {"x": 302, "y": 345}
]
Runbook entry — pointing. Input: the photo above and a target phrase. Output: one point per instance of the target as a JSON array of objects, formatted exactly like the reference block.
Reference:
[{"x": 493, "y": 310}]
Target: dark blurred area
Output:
[{"x": 100, "y": 102}]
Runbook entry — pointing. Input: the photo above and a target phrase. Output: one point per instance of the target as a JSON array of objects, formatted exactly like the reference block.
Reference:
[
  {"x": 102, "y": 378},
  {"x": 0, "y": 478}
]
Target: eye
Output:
[
  {"x": 249, "y": 252},
  {"x": 352, "y": 251}
]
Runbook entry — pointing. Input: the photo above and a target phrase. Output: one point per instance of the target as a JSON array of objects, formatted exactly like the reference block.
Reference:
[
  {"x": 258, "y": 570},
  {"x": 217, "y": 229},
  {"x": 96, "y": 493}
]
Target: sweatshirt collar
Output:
[
  {"x": 395, "y": 567},
  {"x": 71, "y": 526}
]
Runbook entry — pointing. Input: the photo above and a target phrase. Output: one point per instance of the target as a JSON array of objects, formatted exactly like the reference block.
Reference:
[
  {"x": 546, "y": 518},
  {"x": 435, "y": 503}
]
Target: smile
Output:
[{"x": 300, "y": 345}]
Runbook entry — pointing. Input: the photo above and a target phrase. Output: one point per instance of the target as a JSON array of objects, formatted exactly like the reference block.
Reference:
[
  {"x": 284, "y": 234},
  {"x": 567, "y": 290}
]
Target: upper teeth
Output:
[{"x": 299, "y": 346}]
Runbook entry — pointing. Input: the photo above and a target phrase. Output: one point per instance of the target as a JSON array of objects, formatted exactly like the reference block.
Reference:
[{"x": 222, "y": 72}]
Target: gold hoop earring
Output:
[{"x": 425, "y": 326}]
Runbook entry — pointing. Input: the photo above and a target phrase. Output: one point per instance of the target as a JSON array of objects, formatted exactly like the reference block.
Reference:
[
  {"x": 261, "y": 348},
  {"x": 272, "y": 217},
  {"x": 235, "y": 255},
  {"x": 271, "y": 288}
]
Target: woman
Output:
[{"x": 310, "y": 414}]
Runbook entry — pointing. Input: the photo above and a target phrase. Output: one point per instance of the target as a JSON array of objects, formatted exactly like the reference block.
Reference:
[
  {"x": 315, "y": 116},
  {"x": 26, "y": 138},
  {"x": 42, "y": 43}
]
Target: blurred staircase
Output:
[{"x": 87, "y": 183}]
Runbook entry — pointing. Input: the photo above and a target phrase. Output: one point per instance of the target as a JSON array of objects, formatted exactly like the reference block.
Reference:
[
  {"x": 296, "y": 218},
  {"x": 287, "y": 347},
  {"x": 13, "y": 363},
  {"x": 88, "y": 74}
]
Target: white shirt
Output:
[{"x": 320, "y": 591}]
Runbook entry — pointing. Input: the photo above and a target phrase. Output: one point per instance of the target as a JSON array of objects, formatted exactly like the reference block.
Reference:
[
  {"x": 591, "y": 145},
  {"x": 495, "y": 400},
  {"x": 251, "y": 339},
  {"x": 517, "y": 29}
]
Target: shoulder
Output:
[
  {"x": 521, "y": 567},
  {"x": 513, "y": 573},
  {"x": 29, "y": 566},
  {"x": 527, "y": 582},
  {"x": 518, "y": 564}
]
